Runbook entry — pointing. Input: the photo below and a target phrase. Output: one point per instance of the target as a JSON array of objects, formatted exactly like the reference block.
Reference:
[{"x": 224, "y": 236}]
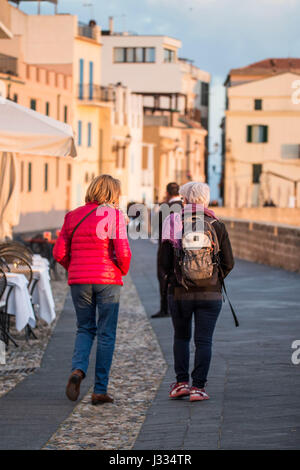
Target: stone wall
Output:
[
  {"x": 278, "y": 215},
  {"x": 267, "y": 243}
]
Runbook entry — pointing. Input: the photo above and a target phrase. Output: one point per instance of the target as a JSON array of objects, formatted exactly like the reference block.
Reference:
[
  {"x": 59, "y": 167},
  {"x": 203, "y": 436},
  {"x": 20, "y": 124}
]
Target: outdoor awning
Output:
[{"x": 23, "y": 130}]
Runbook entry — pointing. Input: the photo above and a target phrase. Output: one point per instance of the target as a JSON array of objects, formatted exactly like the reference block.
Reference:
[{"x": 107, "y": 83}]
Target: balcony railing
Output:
[
  {"x": 8, "y": 64},
  {"x": 95, "y": 93},
  {"x": 86, "y": 31}
]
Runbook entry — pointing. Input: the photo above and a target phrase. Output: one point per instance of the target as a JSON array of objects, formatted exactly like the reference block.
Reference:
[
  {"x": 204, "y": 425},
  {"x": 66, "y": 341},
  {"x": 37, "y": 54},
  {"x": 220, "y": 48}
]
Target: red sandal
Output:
[
  {"x": 179, "y": 389},
  {"x": 198, "y": 394}
]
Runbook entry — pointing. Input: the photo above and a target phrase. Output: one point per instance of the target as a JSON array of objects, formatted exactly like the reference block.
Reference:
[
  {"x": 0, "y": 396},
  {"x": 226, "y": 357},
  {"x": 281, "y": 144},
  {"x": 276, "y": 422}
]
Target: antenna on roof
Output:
[{"x": 91, "y": 6}]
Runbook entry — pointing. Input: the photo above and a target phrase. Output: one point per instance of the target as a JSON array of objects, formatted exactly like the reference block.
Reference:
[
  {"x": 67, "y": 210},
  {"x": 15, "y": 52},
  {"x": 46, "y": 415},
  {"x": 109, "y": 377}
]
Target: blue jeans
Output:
[
  {"x": 206, "y": 313},
  {"x": 86, "y": 297}
]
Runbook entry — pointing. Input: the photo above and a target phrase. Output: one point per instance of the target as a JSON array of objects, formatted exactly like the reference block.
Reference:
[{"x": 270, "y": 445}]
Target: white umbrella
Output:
[{"x": 23, "y": 130}]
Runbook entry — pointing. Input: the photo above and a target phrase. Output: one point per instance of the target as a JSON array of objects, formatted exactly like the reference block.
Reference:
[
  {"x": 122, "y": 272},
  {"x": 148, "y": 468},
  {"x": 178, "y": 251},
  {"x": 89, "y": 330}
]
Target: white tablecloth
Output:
[
  {"x": 42, "y": 294},
  {"x": 19, "y": 303},
  {"x": 38, "y": 260}
]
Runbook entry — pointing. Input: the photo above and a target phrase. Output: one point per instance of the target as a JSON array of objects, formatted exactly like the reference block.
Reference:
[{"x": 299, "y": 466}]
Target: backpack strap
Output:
[{"x": 225, "y": 292}]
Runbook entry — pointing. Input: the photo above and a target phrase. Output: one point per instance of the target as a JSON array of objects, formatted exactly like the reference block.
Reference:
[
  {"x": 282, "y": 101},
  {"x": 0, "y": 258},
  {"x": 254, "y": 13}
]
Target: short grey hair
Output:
[{"x": 197, "y": 193}]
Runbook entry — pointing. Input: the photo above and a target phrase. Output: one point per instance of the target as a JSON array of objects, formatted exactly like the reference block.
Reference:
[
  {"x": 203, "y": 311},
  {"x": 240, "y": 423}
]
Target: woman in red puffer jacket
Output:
[{"x": 94, "y": 248}]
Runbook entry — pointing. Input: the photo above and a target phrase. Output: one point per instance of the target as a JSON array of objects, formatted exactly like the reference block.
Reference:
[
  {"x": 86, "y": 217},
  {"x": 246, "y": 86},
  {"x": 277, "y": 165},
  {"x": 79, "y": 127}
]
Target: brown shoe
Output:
[
  {"x": 100, "y": 398},
  {"x": 73, "y": 386}
]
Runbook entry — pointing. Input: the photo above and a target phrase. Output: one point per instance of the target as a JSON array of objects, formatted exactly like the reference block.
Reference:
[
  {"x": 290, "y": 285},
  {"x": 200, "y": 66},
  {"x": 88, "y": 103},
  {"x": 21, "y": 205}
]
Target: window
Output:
[
  {"x": 134, "y": 54},
  {"x": 258, "y": 104},
  {"x": 29, "y": 181},
  {"x": 22, "y": 177},
  {"x": 139, "y": 54},
  {"x": 204, "y": 93},
  {"x": 150, "y": 54},
  {"x": 290, "y": 151},
  {"x": 89, "y": 137},
  {"x": 256, "y": 172},
  {"x": 57, "y": 171},
  {"x": 81, "y": 70},
  {"x": 119, "y": 54},
  {"x": 46, "y": 177},
  {"x": 33, "y": 104},
  {"x": 65, "y": 113},
  {"x": 130, "y": 54},
  {"x": 91, "y": 80},
  {"x": 169, "y": 55},
  {"x": 145, "y": 158},
  {"x": 47, "y": 108},
  {"x": 69, "y": 172},
  {"x": 257, "y": 134},
  {"x": 79, "y": 140}
]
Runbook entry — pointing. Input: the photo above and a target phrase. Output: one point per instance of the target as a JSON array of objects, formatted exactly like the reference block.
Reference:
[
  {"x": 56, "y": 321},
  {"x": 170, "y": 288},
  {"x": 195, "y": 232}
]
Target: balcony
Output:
[
  {"x": 95, "y": 93},
  {"x": 8, "y": 64},
  {"x": 87, "y": 31}
]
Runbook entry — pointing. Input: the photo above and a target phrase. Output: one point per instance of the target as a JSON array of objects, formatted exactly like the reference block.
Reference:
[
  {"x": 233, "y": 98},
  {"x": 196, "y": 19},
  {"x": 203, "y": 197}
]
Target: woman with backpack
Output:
[
  {"x": 94, "y": 249},
  {"x": 196, "y": 256}
]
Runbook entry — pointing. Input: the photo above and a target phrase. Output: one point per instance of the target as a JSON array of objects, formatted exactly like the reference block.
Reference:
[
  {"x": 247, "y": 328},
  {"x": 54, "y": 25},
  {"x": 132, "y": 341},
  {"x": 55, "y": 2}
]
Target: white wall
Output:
[{"x": 141, "y": 77}]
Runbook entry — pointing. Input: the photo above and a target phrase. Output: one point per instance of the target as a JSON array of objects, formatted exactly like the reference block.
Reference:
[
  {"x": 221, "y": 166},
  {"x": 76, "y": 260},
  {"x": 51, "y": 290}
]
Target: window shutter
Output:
[
  {"x": 249, "y": 133},
  {"x": 265, "y": 134}
]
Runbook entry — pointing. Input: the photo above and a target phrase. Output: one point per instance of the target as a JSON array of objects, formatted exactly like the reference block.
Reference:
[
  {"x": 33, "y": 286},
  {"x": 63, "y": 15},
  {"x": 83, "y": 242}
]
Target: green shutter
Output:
[
  {"x": 249, "y": 133},
  {"x": 265, "y": 134}
]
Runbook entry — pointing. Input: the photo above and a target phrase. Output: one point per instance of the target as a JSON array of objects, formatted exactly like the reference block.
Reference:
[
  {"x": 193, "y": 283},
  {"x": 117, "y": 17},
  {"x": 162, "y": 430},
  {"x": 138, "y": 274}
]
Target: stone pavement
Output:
[
  {"x": 254, "y": 387},
  {"x": 32, "y": 412}
]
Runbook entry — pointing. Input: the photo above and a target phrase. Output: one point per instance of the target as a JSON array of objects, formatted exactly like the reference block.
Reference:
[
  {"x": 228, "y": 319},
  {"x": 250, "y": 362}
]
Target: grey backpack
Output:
[{"x": 197, "y": 258}]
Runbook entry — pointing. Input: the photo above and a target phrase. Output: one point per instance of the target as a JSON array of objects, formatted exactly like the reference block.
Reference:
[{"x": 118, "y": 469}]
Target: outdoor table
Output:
[
  {"x": 42, "y": 293},
  {"x": 19, "y": 302},
  {"x": 38, "y": 260}
]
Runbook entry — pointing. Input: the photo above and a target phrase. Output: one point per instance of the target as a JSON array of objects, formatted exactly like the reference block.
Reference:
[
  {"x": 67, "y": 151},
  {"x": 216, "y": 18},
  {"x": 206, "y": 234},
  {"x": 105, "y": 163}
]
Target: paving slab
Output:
[
  {"x": 33, "y": 410},
  {"x": 254, "y": 387}
]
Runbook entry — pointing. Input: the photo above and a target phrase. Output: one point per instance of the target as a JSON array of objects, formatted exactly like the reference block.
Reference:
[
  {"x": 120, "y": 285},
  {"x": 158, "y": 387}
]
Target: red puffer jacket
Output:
[{"x": 99, "y": 251}]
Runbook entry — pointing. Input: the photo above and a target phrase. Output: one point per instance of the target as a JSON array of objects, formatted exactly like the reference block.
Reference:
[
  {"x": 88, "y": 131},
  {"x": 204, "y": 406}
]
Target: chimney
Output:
[{"x": 111, "y": 25}]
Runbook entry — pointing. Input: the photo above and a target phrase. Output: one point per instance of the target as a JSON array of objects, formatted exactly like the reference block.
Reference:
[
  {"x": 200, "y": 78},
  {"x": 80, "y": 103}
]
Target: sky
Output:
[{"x": 216, "y": 34}]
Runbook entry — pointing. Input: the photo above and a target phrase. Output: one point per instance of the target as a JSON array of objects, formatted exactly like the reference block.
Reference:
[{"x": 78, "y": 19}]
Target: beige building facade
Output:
[
  {"x": 262, "y": 136},
  {"x": 45, "y": 182},
  {"x": 175, "y": 99}
]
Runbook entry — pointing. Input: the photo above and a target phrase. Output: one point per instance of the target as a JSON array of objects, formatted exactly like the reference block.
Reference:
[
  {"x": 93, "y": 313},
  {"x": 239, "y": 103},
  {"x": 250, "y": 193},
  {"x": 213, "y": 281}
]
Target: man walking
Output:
[{"x": 173, "y": 203}]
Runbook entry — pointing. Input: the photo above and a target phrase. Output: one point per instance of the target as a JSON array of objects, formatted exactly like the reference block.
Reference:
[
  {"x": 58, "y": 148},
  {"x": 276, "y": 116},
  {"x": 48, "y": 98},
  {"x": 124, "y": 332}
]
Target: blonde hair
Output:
[{"x": 104, "y": 189}]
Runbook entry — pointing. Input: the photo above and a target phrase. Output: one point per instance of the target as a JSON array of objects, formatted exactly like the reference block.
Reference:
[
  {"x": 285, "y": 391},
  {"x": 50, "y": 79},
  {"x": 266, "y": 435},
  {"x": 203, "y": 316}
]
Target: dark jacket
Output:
[{"x": 226, "y": 260}]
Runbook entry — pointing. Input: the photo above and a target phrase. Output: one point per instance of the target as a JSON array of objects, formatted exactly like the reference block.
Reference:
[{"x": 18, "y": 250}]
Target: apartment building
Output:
[
  {"x": 175, "y": 94},
  {"x": 59, "y": 52},
  {"x": 261, "y": 151},
  {"x": 123, "y": 153},
  {"x": 45, "y": 182}
]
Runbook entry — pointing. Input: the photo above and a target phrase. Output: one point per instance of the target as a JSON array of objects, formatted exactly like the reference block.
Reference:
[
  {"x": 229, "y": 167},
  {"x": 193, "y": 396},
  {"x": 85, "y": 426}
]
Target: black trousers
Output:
[
  {"x": 163, "y": 283},
  {"x": 206, "y": 313}
]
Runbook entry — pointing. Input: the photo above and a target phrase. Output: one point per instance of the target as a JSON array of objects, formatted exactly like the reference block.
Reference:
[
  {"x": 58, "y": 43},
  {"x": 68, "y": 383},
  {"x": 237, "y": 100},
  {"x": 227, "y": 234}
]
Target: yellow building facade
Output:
[{"x": 262, "y": 144}]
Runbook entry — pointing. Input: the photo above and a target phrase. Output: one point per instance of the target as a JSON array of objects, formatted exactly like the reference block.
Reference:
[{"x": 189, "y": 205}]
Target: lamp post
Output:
[{"x": 188, "y": 152}]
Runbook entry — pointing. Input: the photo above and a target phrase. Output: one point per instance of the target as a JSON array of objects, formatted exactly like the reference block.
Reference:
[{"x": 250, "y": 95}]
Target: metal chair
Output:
[
  {"x": 5, "y": 292},
  {"x": 14, "y": 263},
  {"x": 17, "y": 248}
]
